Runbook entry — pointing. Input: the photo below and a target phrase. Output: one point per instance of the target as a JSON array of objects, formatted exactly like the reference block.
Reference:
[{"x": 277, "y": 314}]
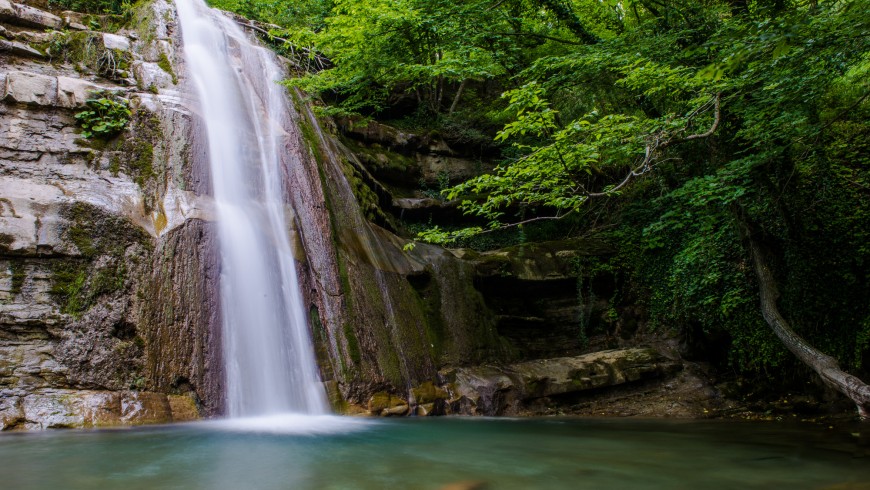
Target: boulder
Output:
[
  {"x": 386, "y": 405},
  {"x": 30, "y": 88},
  {"x": 145, "y": 408},
  {"x": 503, "y": 390},
  {"x": 183, "y": 408},
  {"x": 22, "y": 50},
  {"x": 72, "y": 93},
  {"x": 26, "y": 16},
  {"x": 43, "y": 90},
  {"x": 114, "y": 41},
  {"x": 64, "y": 408},
  {"x": 427, "y": 393}
]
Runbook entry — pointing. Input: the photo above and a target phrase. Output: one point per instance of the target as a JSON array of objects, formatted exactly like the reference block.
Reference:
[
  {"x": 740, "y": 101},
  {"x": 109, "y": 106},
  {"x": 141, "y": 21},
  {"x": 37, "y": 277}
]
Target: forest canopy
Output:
[{"x": 684, "y": 131}]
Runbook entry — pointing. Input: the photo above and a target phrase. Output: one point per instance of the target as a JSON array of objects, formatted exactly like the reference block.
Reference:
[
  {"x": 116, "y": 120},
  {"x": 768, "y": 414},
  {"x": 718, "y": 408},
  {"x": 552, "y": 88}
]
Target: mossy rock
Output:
[
  {"x": 428, "y": 393},
  {"x": 77, "y": 283},
  {"x": 382, "y": 400},
  {"x": 6, "y": 241}
]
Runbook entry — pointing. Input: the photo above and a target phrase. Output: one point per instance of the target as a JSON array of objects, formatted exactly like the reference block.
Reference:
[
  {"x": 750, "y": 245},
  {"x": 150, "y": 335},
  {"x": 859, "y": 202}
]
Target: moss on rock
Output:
[
  {"x": 165, "y": 65},
  {"x": 77, "y": 283},
  {"x": 19, "y": 275}
]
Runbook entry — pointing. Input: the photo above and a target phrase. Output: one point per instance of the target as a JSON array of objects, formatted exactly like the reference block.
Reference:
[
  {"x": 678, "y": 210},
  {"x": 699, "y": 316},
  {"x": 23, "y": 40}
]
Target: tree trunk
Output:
[
  {"x": 458, "y": 96},
  {"x": 564, "y": 13},
  {"x": 823, "y": 364}
]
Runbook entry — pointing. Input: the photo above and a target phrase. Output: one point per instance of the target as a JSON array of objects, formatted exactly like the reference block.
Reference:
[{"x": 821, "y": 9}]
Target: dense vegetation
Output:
[
  {"x": 681, "y": 130},
  {"x": 93, "y": 6}
]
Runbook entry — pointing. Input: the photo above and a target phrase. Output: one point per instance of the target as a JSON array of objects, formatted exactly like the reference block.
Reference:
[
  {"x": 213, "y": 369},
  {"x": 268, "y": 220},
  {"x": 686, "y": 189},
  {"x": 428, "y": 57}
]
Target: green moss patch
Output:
[
  {"x": 77, "y": 283},
  {"x": 165, "y": 65},
  {"x": 18, "y": 273}
]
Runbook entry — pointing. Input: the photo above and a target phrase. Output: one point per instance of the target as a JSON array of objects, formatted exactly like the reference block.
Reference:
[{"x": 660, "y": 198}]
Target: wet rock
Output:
[
  {"x": 183, "y": 408},
  {"x": 396, "y": 411},
  {"x": 151, "y": 76},
  {"x": 427, "y": 393},
  {"x": 386, "y": 405},
  {"x": 145, "y": 408},
  {"x": 101, "y": 321},
  {"x": 72, "y": 93},
  {"x": 65, "y": 408},
  {"x": 502, "y": 390}
]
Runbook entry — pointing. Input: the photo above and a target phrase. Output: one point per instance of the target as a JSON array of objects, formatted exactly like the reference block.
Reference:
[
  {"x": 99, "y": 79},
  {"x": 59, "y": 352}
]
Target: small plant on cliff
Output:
[{"x": 103, "y": 117}]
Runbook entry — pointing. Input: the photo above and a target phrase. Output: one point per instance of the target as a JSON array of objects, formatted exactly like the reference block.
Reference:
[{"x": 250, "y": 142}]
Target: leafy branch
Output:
[{"x": 561, "y": 175}]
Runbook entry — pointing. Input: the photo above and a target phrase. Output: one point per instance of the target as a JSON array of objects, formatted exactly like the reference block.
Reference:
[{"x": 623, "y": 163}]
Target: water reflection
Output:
[{"x": 334, "y": 452}]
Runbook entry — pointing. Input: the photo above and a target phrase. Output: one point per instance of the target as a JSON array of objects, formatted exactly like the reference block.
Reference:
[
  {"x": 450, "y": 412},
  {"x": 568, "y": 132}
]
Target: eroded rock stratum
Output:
[{"x": 87, "y": 303}]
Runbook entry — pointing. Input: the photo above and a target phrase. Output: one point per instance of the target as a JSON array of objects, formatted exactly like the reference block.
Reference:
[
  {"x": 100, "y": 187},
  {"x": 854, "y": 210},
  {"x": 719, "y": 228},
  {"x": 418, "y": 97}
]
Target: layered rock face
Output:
[
  {"x": 94, "y": 318},
  {"x": 428, "y": 331}
]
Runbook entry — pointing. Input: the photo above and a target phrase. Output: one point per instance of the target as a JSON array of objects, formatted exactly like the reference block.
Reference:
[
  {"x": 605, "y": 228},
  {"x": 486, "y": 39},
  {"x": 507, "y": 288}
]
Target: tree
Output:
[{"x": 773, "y": 74}]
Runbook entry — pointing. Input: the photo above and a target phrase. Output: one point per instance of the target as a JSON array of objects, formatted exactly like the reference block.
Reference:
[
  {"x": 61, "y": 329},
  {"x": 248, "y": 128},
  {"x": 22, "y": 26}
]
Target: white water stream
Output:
[{"x": 270, "y": 365}]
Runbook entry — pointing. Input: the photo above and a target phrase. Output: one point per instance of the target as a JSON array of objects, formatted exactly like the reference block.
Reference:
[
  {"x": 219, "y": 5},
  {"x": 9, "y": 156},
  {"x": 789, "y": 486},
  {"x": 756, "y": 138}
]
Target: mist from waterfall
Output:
[{"x": 267, "y": 350}]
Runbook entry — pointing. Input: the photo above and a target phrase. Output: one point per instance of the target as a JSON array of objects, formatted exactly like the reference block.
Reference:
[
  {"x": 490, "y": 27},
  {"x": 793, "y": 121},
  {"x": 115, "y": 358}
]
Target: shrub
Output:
[{"x": 103, "y": 117}]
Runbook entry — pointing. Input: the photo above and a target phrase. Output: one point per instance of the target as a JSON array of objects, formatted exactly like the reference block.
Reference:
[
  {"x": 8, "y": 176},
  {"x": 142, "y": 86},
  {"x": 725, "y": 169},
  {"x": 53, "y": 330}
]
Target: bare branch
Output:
[
  {"x": 540, "y": 36},
  {"x": 525, "y": 222},
  {"x": 307, "y": 53},
  {"x": 657, "y": 144}
]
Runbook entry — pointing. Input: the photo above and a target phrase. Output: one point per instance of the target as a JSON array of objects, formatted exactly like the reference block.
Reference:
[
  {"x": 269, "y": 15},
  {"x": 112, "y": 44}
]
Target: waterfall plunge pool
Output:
[{"x": 300, "y": 452}]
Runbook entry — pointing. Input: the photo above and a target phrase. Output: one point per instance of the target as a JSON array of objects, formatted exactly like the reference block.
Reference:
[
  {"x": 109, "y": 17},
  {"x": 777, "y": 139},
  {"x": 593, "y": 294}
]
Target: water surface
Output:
[{"x": 338, "y": 453}]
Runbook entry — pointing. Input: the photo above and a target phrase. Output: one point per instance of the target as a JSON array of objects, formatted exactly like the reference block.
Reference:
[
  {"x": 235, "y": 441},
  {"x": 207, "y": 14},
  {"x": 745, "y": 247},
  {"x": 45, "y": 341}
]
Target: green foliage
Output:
[
  {"x": 86, "y": 51},
  {"x": 92, "y": 6},
  {"x": 788, "y": 158},
  {"x": 668, "y": 124},
  {"x": 104, "y": 117},
  {"x": 68, "y": 286},
  {"x": 77, "y": 287}
]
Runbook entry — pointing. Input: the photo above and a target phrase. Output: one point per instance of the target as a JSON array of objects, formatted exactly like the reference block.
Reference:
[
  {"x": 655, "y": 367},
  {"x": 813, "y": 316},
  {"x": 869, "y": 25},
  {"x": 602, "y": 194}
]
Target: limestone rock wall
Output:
[
  {"x": 102, "y": 320},
  {"x": 384, "y": 319}
]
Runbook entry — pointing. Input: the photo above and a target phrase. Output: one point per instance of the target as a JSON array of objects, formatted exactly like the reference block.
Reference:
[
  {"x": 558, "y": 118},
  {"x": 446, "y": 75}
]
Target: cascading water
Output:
[{"x": 270, "y": 365}]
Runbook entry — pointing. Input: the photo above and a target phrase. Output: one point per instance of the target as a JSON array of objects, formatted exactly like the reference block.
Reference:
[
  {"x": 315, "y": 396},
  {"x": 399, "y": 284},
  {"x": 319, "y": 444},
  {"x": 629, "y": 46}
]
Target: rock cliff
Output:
[{"x": 96, "y": 306}]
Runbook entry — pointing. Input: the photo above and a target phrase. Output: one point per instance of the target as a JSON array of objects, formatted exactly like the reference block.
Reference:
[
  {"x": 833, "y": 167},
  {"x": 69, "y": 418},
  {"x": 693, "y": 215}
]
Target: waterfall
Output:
[{"x": 267, "y": 350}]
